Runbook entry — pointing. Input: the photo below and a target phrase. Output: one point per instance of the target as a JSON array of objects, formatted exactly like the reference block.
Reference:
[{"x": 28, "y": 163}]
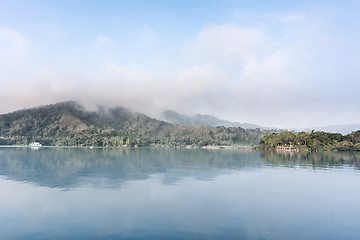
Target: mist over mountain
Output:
[
  {"x": 204, "y": 120},
  {"x": 208, "y": 120},
  {"x": 69, "y": 124}
]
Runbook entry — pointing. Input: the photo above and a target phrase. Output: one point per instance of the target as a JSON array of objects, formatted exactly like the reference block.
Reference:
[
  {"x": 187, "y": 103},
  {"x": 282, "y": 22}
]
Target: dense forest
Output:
[
  {"x": 312, "y": 141},
  {"x": 69, "y": 124}
]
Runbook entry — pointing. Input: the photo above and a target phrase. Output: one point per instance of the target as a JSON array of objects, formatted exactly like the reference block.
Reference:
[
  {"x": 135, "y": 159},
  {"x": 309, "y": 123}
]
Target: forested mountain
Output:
[
  {"x": 204, "y": 120},
  {"x": 69, "y": 124}
]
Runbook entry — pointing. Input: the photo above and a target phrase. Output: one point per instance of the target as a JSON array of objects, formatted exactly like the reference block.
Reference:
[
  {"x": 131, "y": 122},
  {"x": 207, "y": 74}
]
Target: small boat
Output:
[{"x": 35, "y": 144}]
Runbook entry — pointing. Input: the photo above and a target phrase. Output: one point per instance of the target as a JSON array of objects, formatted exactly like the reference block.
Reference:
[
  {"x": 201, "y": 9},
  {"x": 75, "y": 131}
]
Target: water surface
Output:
[{"x": 79, "y": 193}]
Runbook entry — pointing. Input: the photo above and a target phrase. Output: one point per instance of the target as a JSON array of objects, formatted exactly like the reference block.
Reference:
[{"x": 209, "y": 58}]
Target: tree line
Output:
[{"x": 312, "y": 141}]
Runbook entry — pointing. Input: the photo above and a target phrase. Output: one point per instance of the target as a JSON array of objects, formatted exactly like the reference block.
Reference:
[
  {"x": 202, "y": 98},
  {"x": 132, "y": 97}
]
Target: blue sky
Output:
[{"x": 274, "y": 63}]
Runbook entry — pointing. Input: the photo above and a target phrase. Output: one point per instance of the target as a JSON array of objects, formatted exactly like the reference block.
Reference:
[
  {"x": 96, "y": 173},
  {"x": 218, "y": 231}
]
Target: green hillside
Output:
[{"x": 69, "y": 124}]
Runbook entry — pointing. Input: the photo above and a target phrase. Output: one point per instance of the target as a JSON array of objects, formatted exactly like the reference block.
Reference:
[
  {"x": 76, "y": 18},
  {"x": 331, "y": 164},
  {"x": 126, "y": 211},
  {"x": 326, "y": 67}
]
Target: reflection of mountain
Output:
[
  {"x": 312, "y": 159},
  {"x": 68, "y": 167}
]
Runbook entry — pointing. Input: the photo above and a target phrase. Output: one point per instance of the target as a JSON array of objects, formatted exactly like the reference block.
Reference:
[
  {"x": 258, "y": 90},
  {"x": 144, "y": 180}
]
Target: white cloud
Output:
[
  {"x": 125, "y": 73},
  {"x": 15, "y": 54},
  {"x": 270, "y": 79},
  {"x": 228, "y": 45},
  {"x": 227, "y": 70},
  {"x": 252, "y": 64}
]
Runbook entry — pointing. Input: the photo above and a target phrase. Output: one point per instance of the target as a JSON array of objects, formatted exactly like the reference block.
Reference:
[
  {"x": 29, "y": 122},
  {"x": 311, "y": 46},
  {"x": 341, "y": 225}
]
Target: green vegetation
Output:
[
  {"x": 68, "y": 124},
  {"x": 312, "y": 141}
]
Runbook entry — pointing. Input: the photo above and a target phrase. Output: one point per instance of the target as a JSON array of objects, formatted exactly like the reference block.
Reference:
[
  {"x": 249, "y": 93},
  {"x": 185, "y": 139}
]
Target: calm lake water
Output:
[{"x": 78, "y": 193}]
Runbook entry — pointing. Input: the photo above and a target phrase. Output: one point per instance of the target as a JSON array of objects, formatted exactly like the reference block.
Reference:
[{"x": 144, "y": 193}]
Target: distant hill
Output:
[
  {"x": 344, "y": 129},
  {"x": 205, "y": 120},
  {"x": 69, "y": 124}
]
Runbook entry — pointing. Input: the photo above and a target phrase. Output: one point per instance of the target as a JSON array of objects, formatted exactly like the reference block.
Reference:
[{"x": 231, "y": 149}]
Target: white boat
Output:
[{"x": 35, "y": 144}]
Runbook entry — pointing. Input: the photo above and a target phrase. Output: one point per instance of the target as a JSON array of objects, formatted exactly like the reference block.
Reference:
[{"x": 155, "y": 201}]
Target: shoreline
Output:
[
  {"x": 121, "y": 147},
  {"x": 252, "y": 148}
]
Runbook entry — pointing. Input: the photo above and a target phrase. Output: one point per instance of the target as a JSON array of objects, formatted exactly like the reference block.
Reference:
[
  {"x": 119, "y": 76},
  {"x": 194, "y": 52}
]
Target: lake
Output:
[{"x": 145, "y": 193}]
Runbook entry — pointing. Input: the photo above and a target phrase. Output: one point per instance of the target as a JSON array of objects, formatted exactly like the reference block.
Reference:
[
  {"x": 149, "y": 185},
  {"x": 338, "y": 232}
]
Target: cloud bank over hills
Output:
[{"x": 296, "y": 67}]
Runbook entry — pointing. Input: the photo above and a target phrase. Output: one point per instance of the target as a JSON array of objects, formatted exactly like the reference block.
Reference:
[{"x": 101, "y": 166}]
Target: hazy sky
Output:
[{"x": 273, "y": 63}]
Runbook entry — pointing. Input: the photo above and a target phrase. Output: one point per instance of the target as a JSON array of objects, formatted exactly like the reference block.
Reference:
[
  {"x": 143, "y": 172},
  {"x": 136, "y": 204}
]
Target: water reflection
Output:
[
  {"x": 68, "y": 167},
  {"x": 317, "y": 160},
  {"x": 176, "y": 194}
]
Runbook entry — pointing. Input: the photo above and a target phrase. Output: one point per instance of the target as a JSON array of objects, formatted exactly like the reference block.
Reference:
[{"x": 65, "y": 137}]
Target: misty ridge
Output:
[
  {"x": 71, "y": 124},
  {"x": 204, "y": 120}
]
